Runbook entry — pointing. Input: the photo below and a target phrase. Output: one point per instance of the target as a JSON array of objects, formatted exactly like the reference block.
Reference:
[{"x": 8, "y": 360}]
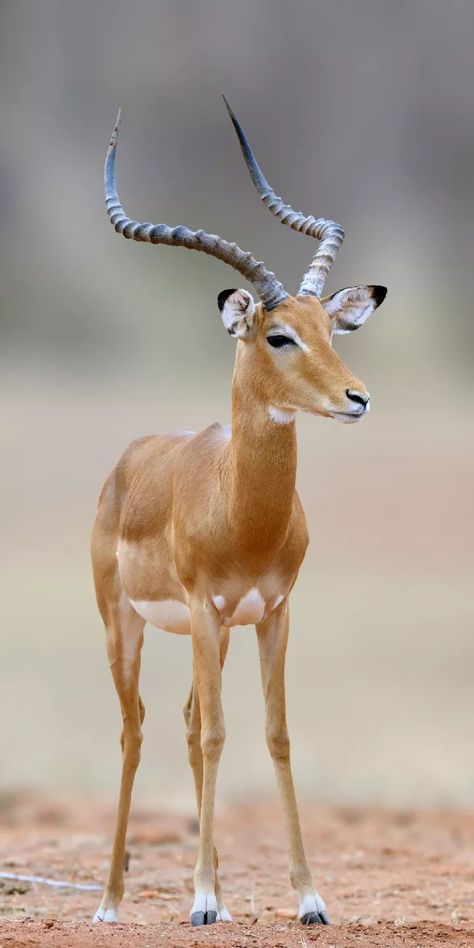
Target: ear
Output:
[
  {"x": 351, "y": 307},
  {"x": 237, "y": 309}
]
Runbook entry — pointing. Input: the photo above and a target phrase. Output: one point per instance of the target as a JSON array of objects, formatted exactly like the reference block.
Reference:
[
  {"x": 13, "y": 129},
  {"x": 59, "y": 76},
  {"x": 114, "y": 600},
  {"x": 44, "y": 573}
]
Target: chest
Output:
[{"x": 240, "y": 601}]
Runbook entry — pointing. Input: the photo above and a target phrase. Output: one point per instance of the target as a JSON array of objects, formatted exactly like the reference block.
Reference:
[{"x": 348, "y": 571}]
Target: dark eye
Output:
[{"x": 277, "y": 341}]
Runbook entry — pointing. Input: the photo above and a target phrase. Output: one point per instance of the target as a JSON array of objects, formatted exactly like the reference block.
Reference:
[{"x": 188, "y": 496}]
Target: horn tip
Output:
[
  {"x": 228, "y": 107},
  {"x": 114, "y": 136}
]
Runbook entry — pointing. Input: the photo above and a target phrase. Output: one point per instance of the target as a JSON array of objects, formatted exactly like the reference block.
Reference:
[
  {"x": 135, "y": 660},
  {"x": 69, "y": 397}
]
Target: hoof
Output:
[
  {"x": 203, "y": 918},
  {"x": 314, "y": 918},
  {"x": 223, "y": 915},
  {"x": 109, "y": 915}
]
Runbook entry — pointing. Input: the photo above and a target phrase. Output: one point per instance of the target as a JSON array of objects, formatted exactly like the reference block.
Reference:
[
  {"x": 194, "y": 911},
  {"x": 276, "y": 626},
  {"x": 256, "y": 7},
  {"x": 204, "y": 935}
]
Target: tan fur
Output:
[{"x": 189, "y": 518}]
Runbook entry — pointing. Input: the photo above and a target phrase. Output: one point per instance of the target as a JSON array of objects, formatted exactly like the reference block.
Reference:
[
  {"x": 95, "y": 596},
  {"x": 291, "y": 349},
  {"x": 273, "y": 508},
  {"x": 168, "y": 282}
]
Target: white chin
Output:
[{"x": 346, "y": 419}]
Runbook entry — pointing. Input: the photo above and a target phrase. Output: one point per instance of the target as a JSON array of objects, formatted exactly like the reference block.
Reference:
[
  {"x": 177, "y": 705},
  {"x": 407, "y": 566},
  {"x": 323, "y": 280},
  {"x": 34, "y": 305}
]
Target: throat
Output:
[
  {"x": 282, "y": 416},
  {"x": 263, "y": 473}
]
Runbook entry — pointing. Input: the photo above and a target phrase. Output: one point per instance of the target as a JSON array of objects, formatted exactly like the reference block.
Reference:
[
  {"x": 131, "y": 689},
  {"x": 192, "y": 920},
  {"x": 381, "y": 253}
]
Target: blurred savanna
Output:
[{"x": 359, "y": 113}]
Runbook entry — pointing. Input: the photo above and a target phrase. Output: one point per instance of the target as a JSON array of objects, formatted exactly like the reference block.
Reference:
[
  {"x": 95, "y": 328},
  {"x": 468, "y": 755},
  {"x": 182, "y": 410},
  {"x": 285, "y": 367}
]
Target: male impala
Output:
[{"x": 197, "y": 533}]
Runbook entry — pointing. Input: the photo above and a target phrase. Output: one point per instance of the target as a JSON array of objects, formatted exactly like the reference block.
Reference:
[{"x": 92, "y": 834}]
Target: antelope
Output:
[{"x": 198, "y": 533}]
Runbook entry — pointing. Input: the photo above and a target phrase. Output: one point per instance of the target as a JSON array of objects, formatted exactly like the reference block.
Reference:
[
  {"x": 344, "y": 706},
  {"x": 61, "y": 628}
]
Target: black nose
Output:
[{"x": 357, "y": 397}]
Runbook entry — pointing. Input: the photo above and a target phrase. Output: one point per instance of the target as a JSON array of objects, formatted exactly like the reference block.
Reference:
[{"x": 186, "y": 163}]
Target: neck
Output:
[{"x": 263, "y": 469}]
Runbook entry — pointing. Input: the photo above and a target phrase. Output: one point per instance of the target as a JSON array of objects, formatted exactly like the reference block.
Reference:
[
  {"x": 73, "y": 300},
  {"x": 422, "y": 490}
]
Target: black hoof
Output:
[
  {"x": 203, "y": 918},
  {"x": 314, "y": 918}
]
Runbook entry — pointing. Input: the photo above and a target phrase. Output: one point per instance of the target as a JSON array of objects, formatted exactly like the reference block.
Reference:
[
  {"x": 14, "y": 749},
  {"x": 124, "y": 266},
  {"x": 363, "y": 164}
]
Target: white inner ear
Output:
[
  {"x": 238, "y": 313},
  {"x": 350, "y": 308}
]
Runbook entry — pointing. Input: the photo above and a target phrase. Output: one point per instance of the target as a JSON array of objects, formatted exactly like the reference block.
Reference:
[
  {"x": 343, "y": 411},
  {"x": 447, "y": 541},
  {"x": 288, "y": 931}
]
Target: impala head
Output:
[
  {"x": 288, "y": 354},
  {"x": 285, "y": 341}
]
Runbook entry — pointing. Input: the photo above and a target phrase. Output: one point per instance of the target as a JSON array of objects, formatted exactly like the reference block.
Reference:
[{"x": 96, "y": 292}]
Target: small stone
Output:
[
  {"x": 14, "y": 886},
  {"x": 156, "y": 894},
  {"x": 148, "y": 894}
]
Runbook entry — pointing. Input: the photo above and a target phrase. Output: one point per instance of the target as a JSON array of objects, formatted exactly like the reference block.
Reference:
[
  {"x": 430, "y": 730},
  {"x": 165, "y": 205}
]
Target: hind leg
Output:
[
  {"x": 192, "y": 717},
  {"x": 124, "y": 637}
]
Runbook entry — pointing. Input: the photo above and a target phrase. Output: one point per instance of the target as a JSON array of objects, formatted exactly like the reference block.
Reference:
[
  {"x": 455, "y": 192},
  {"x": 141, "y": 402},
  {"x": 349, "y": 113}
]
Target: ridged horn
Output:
[
  {"x": 328, "y": 232},
  {"x": 269, "y": 290}
]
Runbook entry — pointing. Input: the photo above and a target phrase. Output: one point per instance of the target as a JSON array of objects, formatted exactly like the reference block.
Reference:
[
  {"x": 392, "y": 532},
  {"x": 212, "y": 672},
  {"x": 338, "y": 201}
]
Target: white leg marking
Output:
[
  {"x": 168, "y": 614},
  {"x": 106, "y": 915},
  {"x": 219, "y": 602},
  {"x": 311, "y": 903},
  {"x": 224, "y": 915},
  {"x": 249, "y": 610},
  {"x": 204, "y": 902},
  {"x": 280, "y": 415}
]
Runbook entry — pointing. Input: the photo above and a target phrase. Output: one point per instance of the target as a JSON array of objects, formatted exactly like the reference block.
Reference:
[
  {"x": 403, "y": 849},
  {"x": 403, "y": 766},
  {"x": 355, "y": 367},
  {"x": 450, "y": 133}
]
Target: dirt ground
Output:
[{"x": 389, "y": 877}]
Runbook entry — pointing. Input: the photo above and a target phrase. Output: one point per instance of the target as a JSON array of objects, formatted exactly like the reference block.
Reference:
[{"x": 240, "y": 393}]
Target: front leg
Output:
[
  {"x": 272, "y": 642},
  {"x": 205, "y": 630}
]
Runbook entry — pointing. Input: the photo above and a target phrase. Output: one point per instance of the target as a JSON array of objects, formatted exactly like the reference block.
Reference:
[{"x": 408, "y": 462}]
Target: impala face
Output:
[{"x": 288, "y": 356}]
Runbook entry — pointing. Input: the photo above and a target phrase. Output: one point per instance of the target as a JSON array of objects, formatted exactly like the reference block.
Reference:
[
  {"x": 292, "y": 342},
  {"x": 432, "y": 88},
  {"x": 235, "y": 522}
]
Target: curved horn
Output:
[
  {"x": 270, "y": 291},
  {"x": 329, "y": 233}
]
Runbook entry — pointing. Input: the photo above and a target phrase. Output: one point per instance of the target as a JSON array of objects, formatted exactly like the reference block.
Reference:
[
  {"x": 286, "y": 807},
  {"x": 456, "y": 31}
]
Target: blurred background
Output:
[{"x": 360, "y": 111}]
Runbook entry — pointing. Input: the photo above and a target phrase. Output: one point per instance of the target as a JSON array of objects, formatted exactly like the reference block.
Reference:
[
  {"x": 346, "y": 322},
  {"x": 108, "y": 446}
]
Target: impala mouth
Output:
[{"x": 348, "y": 417}]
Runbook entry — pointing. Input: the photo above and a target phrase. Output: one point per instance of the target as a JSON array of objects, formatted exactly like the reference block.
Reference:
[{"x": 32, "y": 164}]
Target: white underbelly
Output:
[
  {"x": 171, "y": 615},
  {"x": 250, "y": 610},
  {"x": 167, "y": 614}
]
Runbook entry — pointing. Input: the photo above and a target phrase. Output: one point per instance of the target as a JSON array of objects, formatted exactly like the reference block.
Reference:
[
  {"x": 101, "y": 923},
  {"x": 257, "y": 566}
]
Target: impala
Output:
[{"x": 198, "y": 533}]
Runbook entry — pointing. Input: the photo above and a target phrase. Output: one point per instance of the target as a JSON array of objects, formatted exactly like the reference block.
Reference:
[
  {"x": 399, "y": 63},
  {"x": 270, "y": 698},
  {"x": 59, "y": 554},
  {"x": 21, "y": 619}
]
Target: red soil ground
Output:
[{"x": 390, "y": 878}]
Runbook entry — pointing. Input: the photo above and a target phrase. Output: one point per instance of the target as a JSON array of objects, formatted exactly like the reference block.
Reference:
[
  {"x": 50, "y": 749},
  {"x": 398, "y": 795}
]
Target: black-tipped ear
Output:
[
  {"x": 379, "y": 293},
  {"x": 350, "y": 308},
  {"x": 223, "y": 297},
  {"x": 237, "y": 309}
]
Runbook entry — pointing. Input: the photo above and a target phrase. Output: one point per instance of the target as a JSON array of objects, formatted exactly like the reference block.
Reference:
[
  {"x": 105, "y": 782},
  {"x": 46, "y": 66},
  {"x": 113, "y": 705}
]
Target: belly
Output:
[
  {"x": 171, "y": 615},
  {"x": 153, "y": 588},
  {"x": 167, "y": 614}
]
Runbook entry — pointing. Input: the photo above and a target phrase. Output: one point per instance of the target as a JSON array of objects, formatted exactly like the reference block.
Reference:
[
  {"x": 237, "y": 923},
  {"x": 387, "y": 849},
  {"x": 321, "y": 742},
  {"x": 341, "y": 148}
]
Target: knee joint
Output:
[
  {"x": 278, "y": 744},
  {"x": 212, "y": 741},
  {"x": 131, "y": 743}
]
